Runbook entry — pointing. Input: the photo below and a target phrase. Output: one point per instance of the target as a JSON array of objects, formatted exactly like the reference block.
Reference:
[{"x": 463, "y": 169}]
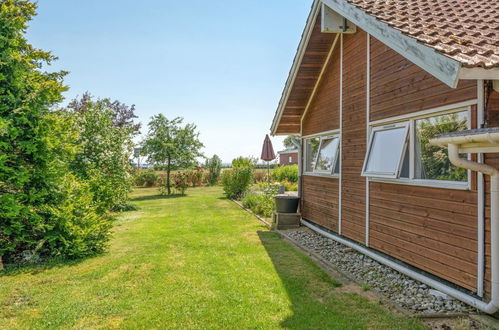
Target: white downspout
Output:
[{"x": 454, "y": 158}]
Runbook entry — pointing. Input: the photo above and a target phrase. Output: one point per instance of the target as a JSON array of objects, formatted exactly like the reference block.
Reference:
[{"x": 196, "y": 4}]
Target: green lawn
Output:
[{"x": 188, "y": 262}]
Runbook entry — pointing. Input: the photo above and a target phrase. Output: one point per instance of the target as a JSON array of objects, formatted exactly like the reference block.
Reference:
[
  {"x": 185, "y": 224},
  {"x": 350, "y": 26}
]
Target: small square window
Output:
[
  {"x": 321, "y": 155},
  {"x": 386, "y": 151},
  {"x": 311, "y": 149},
  {"x": 328, "y": 152}
]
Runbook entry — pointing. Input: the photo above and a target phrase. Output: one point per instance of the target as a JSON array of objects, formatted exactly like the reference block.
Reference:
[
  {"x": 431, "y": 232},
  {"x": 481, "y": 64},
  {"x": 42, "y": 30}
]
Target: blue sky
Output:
[{"x": 219, "y": 64}]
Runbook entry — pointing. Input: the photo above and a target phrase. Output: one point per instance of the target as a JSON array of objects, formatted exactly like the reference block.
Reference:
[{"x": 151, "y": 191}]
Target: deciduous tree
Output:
[
  {"x": 105, "y": 151},
  {"x": 171, "y": 145}
]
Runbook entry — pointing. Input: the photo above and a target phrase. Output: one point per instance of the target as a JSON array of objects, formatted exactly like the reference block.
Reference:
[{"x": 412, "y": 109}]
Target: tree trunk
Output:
[
  {"x": 1, "y": 263},
  {"x": 168, "y": 187}
]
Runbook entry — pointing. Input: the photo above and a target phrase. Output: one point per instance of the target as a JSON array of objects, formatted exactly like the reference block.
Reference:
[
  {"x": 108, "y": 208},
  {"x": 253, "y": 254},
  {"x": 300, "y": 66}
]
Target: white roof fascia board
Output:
[
  {"x": 440, "y": 66},
  {"x": 479, "y": 73}
]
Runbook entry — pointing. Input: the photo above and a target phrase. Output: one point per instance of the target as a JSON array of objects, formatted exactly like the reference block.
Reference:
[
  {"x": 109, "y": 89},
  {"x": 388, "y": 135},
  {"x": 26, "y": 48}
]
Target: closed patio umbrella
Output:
[{"x": 267, "y": 153}]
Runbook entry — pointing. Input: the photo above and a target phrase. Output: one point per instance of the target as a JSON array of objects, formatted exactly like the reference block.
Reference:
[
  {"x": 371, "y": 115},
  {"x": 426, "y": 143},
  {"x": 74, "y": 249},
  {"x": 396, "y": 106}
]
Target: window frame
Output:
[
  {"x": 411, "y": 140},
  {"x": 381, "y": 128},
  {"x": 321, "y": 137}
]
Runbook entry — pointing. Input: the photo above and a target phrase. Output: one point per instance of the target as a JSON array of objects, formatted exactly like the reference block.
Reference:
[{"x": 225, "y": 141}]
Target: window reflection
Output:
[{"x": 432, "y": 162}]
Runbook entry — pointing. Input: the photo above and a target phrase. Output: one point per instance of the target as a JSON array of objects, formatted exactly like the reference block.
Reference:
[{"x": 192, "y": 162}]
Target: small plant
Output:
[
  {"x": 180, "y": 182},
  {"x": 271, "y": 189},
  {"x": 214, "y": 167},
  {"x": 365, "y": 287},
  {"x": 260, "y": 204}
]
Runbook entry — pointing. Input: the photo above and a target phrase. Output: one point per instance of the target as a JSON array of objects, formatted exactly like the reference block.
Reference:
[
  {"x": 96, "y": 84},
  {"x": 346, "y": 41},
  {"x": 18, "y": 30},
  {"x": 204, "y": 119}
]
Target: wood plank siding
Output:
[
  {"x": 400, "y": 87},
  {"x": 434, "y": 229},
  {"x": 354, "y": 136},
  {"x": 323, "y": 113},
  {"x": 320, "y": 201}
]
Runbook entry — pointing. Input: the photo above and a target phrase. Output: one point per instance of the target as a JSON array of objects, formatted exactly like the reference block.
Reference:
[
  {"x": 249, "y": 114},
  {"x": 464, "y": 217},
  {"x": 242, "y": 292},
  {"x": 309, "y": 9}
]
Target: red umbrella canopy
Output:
[{"x": 267, "y": 150}]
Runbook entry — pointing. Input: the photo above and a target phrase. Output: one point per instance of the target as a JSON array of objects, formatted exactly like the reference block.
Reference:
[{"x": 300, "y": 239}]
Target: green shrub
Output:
[
  {"x": 214, "y": 167},
  {"x": 76, "y": 229},
  {"x": 260, "y": 204},
  {"x": 147, "y": 178},
  {"x": 236, "y": 181},
  {"x": 285, "y": 173}
]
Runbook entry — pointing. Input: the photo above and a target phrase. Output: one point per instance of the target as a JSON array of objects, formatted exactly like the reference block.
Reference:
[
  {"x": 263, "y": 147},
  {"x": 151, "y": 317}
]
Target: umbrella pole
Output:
[{"x": 268, "y": 171}]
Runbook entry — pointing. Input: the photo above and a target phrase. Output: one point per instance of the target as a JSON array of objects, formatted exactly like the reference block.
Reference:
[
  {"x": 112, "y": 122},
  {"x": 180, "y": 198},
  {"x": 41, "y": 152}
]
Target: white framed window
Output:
[
  {"x": 387, "y": 146},
  {"x": 290, "y": 159},
  {"x": 401, "y": 153},
  {"x": 321, "y": 155}
]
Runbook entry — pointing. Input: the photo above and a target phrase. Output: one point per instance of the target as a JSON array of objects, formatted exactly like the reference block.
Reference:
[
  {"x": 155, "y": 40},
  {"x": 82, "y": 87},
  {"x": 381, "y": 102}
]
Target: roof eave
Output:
[
  {"x": 442, "y": 67},
  {"x": 307, "y": 32}
]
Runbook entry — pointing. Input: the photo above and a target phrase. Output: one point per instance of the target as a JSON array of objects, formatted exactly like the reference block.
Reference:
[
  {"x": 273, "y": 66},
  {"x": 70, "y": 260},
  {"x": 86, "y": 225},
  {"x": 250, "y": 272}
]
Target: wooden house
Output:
[
  {"x": 288, "y": 157},
  {"x": 372, "y": 82}
]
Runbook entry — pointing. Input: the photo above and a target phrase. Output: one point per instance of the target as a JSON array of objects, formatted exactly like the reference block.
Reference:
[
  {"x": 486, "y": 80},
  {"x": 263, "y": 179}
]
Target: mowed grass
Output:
[{"x": 188, "y": 262}]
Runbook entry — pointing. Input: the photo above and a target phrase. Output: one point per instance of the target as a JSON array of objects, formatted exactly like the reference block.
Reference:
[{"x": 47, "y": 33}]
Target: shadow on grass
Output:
[
  {"x": 315, "y": 299},
  {"x": 309, "y": 288},
  {"x": 155, "y": 197},
  {"x": 46, "y": 264}
]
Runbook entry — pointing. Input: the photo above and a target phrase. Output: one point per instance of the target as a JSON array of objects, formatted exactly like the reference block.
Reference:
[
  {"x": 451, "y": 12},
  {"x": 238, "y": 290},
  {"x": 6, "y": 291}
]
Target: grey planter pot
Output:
[{"x": 286, "y": 204}]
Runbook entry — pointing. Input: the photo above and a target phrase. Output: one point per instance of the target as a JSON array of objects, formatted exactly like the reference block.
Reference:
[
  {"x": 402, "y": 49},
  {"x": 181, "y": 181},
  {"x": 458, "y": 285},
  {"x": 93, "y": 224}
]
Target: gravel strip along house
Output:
[{"x": 372, "y": 85}]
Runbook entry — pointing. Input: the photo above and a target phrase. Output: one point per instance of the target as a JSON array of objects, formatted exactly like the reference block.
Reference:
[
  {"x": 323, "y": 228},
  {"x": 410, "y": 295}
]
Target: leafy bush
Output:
[
  {"x": 76, "y": 229},
  {"x": 214, "y": 167},
  {"x": 147, "y": 178},
  {"x": 261, "y": 204},
  {"x": 105, "y": 151},
  {"x": 288, "y": 173},
  {"x": 180, "y": 182},
  {"x": 236, "y": 181},
  {"x": 61, "y": 172}
]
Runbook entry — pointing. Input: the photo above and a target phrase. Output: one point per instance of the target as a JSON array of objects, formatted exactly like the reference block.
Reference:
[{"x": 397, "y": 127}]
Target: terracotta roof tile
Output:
[{"x": 465, "y": 30}]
